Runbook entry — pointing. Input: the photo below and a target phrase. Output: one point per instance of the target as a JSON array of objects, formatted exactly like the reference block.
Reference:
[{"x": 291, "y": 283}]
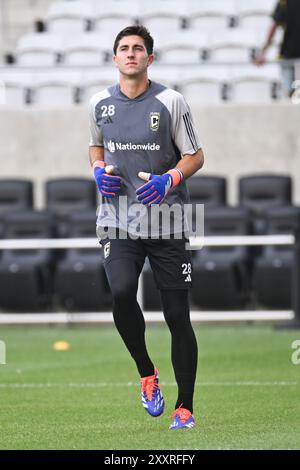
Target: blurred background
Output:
[{"x": 54, "y": 55}]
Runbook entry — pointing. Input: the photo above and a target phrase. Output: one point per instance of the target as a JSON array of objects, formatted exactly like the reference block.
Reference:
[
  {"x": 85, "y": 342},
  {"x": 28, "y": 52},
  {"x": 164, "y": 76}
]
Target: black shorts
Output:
[{"x": 169, "y": 259}]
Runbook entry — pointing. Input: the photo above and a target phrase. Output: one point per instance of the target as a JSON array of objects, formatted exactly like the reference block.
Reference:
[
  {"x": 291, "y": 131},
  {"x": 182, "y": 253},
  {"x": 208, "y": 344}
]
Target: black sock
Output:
[{"x": 184, "y": 344}]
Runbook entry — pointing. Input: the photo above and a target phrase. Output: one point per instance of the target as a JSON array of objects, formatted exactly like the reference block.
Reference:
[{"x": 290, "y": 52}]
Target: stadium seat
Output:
[
  {"x": 40, "y": 49},
  {"x": 93, "y": 82},
  {"x": 66, "y": 195},
  {"x": 232, "y": 45},
  {"x": 208, "y": 190},
  {"x": 273, "y": 270},
  {"x": 185, "y": 48},
  {"x": 220, "y": 274},
  {"x": 26, "y": 275},
  {"x": 15, "y": 195},
  {"x": 250, "y": 84},
  {"x": 255, "y": 14},
  {"x": 55, "y": 89},
  {"x": 204, "y": 85},
  {"x": 162, "y": 15},
  {"x": 202, "y": 91},
  {"x": 255, "y": 21},
  {"x": 210, "y": 15},
  {"x": 111, "y": 17},
  {"x": 167, "y": 74},
  {"x": 254, "y": 90},
  {"x": 261, "y": 192},
  {"x": 273, "y": 51},
  {"x": 15, "y": 88},
  {"x": 68, "y": 17},
  {"x": 80, "y": 280},
  {"x": 85, "y": 49}
]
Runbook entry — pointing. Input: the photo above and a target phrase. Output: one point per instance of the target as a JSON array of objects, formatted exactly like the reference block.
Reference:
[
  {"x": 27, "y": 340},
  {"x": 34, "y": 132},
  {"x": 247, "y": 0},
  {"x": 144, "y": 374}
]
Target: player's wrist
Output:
[
  {"x": 98, "y": 163},
  {"x": 176, "y": 176}
]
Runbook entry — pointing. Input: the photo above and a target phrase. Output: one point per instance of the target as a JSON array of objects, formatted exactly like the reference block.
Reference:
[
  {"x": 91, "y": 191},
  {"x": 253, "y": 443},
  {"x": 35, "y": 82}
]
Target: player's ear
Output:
[
  {"x": 150, "y": 59},
  {"x": 115, "y": 60}
]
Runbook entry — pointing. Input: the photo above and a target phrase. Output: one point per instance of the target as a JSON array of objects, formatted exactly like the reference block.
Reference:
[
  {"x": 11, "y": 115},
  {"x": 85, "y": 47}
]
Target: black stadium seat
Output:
[
  {"x": 14, "y": 195},
  {"x": 80, "y": 280},
  {"x": 208, "y": 190},
  {"x": 66, "y": 195},
  {"x": 211, "y": 191},
  {"x": 273, "y": 270},
  {"x": 26, "y": 275},
  {"x": 220, "y": 274},
  {"x": 262, "y": 192}
]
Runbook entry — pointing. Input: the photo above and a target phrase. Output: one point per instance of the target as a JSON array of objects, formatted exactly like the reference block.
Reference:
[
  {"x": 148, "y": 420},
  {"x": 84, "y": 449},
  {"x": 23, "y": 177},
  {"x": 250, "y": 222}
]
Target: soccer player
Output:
[{"x": 143, "y": 147}]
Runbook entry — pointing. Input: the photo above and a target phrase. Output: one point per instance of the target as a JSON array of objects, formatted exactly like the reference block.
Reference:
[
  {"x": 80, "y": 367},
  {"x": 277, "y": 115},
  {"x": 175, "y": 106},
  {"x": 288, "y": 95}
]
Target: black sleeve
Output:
[{"x": 279, "y": 14}]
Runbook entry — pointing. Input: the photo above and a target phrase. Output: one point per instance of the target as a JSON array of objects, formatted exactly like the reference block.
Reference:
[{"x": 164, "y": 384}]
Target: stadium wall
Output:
[{"x": 46, "y": 143}]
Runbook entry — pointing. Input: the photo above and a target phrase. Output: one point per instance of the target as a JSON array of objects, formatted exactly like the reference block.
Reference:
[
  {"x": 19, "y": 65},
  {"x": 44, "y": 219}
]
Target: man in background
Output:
[{"x": 287, "y": 16}]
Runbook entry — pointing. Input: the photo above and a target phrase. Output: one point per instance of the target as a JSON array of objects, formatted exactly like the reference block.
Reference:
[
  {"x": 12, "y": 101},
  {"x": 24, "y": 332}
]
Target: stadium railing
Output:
[{"x": 293, "y": 316}]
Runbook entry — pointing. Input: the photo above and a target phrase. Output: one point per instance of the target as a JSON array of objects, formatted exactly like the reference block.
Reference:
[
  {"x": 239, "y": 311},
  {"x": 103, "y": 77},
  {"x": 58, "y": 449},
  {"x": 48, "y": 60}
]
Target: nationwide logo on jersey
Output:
[
  {"x": 113, "y": 146},
  {"x": 154, "y": 121}
]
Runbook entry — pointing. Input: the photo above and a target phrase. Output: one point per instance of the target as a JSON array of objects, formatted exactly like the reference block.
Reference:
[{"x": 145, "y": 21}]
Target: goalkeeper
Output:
[{"x": 143, "y": 147}]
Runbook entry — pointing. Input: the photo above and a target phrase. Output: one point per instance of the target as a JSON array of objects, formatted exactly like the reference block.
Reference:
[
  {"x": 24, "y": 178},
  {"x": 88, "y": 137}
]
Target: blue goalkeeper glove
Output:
[
  {"x": 157, "y": 186},
  {"x": 108, "y": 184}
]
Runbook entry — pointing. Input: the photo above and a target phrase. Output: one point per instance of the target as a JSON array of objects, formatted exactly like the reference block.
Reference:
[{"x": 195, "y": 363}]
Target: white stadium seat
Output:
[
  {"x": 38, "y": 49},
  {"x": 253, "y": 84},
  {"x": 14, "y": 88},
  {"x": 255, "y": 14},
  {"x": 251, "y": 90},
  {"x": 55, "y": 89},
  {"x": 203, "y": 91},
  {"x": 259, "y": 22},
  {"x": 210, "y": 15},
  {"x": 269, "y": 71},
  {"x": 112, "y": 17},
  {"x": 255, "y": 6},
  {"x": 162, "y": 15},
  {"x": 185, "y": 47},
  {"x": 232, "y": 45},
  {"x": 86, "y": 49},
  {"x": 68, "y": 17},
  {"x": 272, "y": 53},
  {"x": 168, "y": 75},
  {"x": 92, "y": 82},
  {"x": 203, "y": 85}
]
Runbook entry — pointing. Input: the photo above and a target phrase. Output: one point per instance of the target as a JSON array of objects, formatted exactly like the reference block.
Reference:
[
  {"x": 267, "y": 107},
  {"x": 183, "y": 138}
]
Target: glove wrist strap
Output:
[
  {"x": 99, "y": 163},
  {"x": 176, "y": 176}
]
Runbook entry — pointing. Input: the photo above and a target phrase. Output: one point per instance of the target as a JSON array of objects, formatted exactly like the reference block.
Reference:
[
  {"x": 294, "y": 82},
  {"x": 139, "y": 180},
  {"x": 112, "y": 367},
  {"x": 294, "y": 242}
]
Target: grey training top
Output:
[{"x": 148, "y": 133}]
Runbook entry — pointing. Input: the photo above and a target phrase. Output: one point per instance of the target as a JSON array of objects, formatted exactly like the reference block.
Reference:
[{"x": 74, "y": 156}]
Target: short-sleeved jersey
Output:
[
  {"x": 149, "y": 133},
  {"x": 287, "y": 15}
]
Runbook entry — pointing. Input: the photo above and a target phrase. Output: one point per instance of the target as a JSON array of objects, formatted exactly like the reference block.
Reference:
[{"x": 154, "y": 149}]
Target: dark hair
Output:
[{"x": 135, "y": 31}]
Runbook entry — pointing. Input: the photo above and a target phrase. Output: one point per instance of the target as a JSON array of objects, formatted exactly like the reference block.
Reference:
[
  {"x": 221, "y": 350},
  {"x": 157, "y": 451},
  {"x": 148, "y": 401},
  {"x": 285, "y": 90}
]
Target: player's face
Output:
[{"x": 132, "y": 58}]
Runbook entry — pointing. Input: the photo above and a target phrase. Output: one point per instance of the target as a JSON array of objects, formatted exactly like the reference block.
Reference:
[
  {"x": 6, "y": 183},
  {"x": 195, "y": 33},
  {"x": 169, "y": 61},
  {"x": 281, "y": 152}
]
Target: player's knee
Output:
[{"x": 123, "y": 292}]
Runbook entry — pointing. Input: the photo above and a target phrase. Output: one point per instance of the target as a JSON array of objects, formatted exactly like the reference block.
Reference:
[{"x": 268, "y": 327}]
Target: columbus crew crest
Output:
[{"x": 154, "y": 121}]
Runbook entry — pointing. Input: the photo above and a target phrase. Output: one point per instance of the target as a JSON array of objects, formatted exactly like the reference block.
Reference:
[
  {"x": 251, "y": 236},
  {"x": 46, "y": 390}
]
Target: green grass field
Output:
[{"x": 247, "y": 394}]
